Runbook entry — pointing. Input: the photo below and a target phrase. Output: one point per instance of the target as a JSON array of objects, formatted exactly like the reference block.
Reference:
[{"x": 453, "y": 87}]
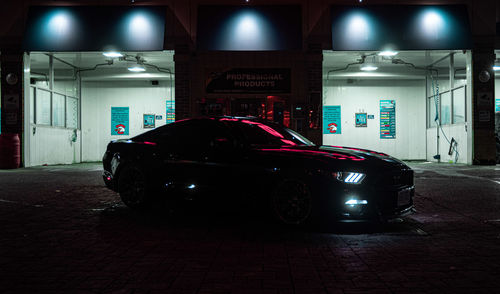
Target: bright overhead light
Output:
[
  {"x": 112, "y": 54},
  {"x": 496, "y": 67},
  {"x": 368, "y": 67},
  {"x": 137, "y": 68},
  {"x": 387, "y": 53}
]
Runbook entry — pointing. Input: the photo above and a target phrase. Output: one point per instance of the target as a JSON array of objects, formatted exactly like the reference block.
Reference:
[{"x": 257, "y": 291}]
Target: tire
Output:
[
  {"x": 291, "y": 202},
  {"x": 133, "y": 187}
]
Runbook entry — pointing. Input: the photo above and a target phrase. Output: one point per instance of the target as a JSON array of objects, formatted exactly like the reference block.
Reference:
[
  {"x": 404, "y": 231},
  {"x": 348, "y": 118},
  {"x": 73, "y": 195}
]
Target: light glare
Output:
[
  {"x": 112, "y": 54},
  {"x": 358, "y": 28},
  {"x": 60, "y": 25},
  {"x": 432, "y": 24},
  {"x": 136, "y": 69},
  {"x": 388, "y": 53},
  {"x": 496, "y": 67},
  {"x": 368, "y": 67},
  {"x": 356, "y": 202}
]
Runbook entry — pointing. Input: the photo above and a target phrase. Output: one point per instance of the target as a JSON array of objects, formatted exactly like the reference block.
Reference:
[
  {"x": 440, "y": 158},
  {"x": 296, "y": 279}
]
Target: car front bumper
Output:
[{"x": 381, "y": 204}]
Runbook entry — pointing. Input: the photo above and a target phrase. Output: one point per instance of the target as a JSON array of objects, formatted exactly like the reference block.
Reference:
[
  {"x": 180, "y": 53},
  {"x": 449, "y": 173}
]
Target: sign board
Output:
[
  {"x": 405, "y": 27},
  {"x": 170, "y": 111},
  {"x": 159, "y": 117},
  {"x": 484, "y": 115},
  {"x": 371, "y": 116},
  {"x": 497, "y": 105},
  {"x": 11, "y": 101},
  {"x": 387, "y": 119},
  {"x": 249, "y": 27},
  {"x": 95, "y": 28},
  {"x": 249, "y": 80},
  {"x": 360, "y": 120},
  {"x": 149, "y": 121},
  {"x": 332, "y": 123},
  {"x": 119, "y": 121}
]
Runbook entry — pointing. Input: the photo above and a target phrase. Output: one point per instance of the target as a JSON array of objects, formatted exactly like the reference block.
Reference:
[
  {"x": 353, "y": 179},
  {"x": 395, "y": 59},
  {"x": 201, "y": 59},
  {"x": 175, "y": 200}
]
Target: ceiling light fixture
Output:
[
  {"x": 388, "y": 53},
  {"x": 137, "y": 68},
  {"x": 368, "y": 66},
  {"x": 496, "y": 67},
  {"x": 112, "y": 54}
]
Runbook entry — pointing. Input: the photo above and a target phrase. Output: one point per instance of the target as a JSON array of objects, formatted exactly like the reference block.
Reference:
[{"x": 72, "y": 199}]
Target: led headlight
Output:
[
  {"x": 356, "y": 202},
  {"x": 349, "y": 177}
]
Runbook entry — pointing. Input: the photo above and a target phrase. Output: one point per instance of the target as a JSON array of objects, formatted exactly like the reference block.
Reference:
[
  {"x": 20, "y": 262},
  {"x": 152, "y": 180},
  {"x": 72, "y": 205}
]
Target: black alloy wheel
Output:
[
  {"x": 292, "y": 202},
  {"x": 133, "y": 187}
]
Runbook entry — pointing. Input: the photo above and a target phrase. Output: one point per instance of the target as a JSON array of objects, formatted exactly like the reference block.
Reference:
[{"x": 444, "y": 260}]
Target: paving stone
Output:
[{"x": 84, "y": 240}]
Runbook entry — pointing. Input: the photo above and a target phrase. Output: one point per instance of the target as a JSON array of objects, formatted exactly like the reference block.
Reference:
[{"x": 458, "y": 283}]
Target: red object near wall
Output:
[{"x": 10, "y": 151}]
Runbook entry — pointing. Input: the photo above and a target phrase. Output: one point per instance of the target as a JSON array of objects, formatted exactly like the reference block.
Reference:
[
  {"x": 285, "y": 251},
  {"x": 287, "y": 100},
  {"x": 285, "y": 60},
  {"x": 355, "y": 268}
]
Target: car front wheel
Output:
[
  {"x": 133, "y": 187},
  {"x": 292, "y": 202}
]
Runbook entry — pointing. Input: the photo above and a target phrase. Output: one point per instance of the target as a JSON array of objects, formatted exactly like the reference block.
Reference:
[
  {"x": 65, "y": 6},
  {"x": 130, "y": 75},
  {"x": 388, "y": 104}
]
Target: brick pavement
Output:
[{"x": 62, "y": 231}]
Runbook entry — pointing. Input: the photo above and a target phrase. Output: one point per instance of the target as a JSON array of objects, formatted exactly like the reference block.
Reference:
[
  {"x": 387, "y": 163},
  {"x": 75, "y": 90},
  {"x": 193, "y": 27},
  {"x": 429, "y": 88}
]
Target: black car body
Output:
[{"x": 228, "y": 161}]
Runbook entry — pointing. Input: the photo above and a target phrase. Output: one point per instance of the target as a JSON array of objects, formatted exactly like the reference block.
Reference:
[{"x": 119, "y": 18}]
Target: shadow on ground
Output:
[{"x": 118, "y": 221}]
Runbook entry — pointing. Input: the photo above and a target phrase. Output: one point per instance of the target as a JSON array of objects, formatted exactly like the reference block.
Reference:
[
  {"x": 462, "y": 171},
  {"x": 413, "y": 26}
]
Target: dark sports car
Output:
[{"x": 229, "y": 161}]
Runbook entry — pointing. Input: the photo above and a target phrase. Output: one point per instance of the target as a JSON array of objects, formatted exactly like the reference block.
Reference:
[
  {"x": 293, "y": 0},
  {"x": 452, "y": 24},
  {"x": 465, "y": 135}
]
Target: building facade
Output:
[{"x": 323, "y": 68}]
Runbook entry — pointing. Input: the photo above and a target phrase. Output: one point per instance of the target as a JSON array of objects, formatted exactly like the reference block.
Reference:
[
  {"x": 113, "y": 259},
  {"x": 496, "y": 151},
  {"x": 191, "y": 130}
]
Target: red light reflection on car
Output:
[
  {"x": 265, "y": 128},
  {"x": 322, "y": 153},
  {"x": 362, "y": 150}
]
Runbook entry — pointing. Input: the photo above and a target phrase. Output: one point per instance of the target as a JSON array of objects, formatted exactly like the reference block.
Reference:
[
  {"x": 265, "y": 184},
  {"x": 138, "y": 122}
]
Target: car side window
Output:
[{"x": 254, "y": 135}]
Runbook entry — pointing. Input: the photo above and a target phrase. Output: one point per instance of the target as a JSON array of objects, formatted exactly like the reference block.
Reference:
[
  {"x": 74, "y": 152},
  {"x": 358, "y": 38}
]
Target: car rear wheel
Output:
[
  {"x": 292, "y": 202},
  {"x": 133, "y": 187}
]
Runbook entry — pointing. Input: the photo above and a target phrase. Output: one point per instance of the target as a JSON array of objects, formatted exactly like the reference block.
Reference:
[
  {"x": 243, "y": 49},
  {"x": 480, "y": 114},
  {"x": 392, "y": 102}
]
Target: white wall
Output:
[
  {"x": 457, "y": 132},
  {"x": 51, "y": 145},
  {"x": 365, "y": 96},
  {"x": 97, "y": 99}
]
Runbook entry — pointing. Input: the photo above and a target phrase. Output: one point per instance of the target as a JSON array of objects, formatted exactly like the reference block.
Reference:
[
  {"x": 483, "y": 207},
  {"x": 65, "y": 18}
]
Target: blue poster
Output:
[
  {"x": 360, "y": 120},
  {"x": 149, "y": 121},
  {"x": 332, "y": 123},
  {"x": 119, "y": 121},
  {"x": 170, "y": 111},
  {"x": 497, "y": 105},
  {"x": 387, "y": 119}
]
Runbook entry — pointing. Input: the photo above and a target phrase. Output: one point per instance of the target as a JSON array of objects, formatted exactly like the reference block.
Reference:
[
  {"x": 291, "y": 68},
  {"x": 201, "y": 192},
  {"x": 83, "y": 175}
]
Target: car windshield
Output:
[{"x": 265, "y": 134}]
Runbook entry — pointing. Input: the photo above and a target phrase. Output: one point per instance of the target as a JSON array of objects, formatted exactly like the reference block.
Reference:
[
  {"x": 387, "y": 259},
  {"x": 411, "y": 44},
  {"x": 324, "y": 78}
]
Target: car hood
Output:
[{"x": 339, "y": 156}]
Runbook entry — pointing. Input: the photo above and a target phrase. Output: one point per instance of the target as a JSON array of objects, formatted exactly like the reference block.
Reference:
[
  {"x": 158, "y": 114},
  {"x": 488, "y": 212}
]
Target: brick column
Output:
[
  {"x": 12, "y": 91},
  {"x": 314, "y": 66},
  {"x": 483, "y": 82},
  {"x": 182, "y": 60},
  {"x": 483, "y": 106}
]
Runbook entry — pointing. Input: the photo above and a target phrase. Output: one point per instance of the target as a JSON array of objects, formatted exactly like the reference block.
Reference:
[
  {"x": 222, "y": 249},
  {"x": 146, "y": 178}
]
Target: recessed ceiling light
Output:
[
  {"x": 137, "y": 68},
  {"x": 112, "y": 54},
  {"x": 368, "y": 67},
  {"x": 387, "y": 53}
]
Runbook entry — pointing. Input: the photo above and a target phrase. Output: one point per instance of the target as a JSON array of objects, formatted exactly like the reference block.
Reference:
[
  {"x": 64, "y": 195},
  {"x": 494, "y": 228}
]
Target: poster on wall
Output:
[
  {"x": 170, "y": 111},
  {"x": 332, "y": 123},
  {"x": 360, "y": 120},
  {"x": 149, "y": 121},
  {"x": 387, "y": 119},
  {"x": 497, "y": 105},
  {"x": 119, "y": 121}
]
